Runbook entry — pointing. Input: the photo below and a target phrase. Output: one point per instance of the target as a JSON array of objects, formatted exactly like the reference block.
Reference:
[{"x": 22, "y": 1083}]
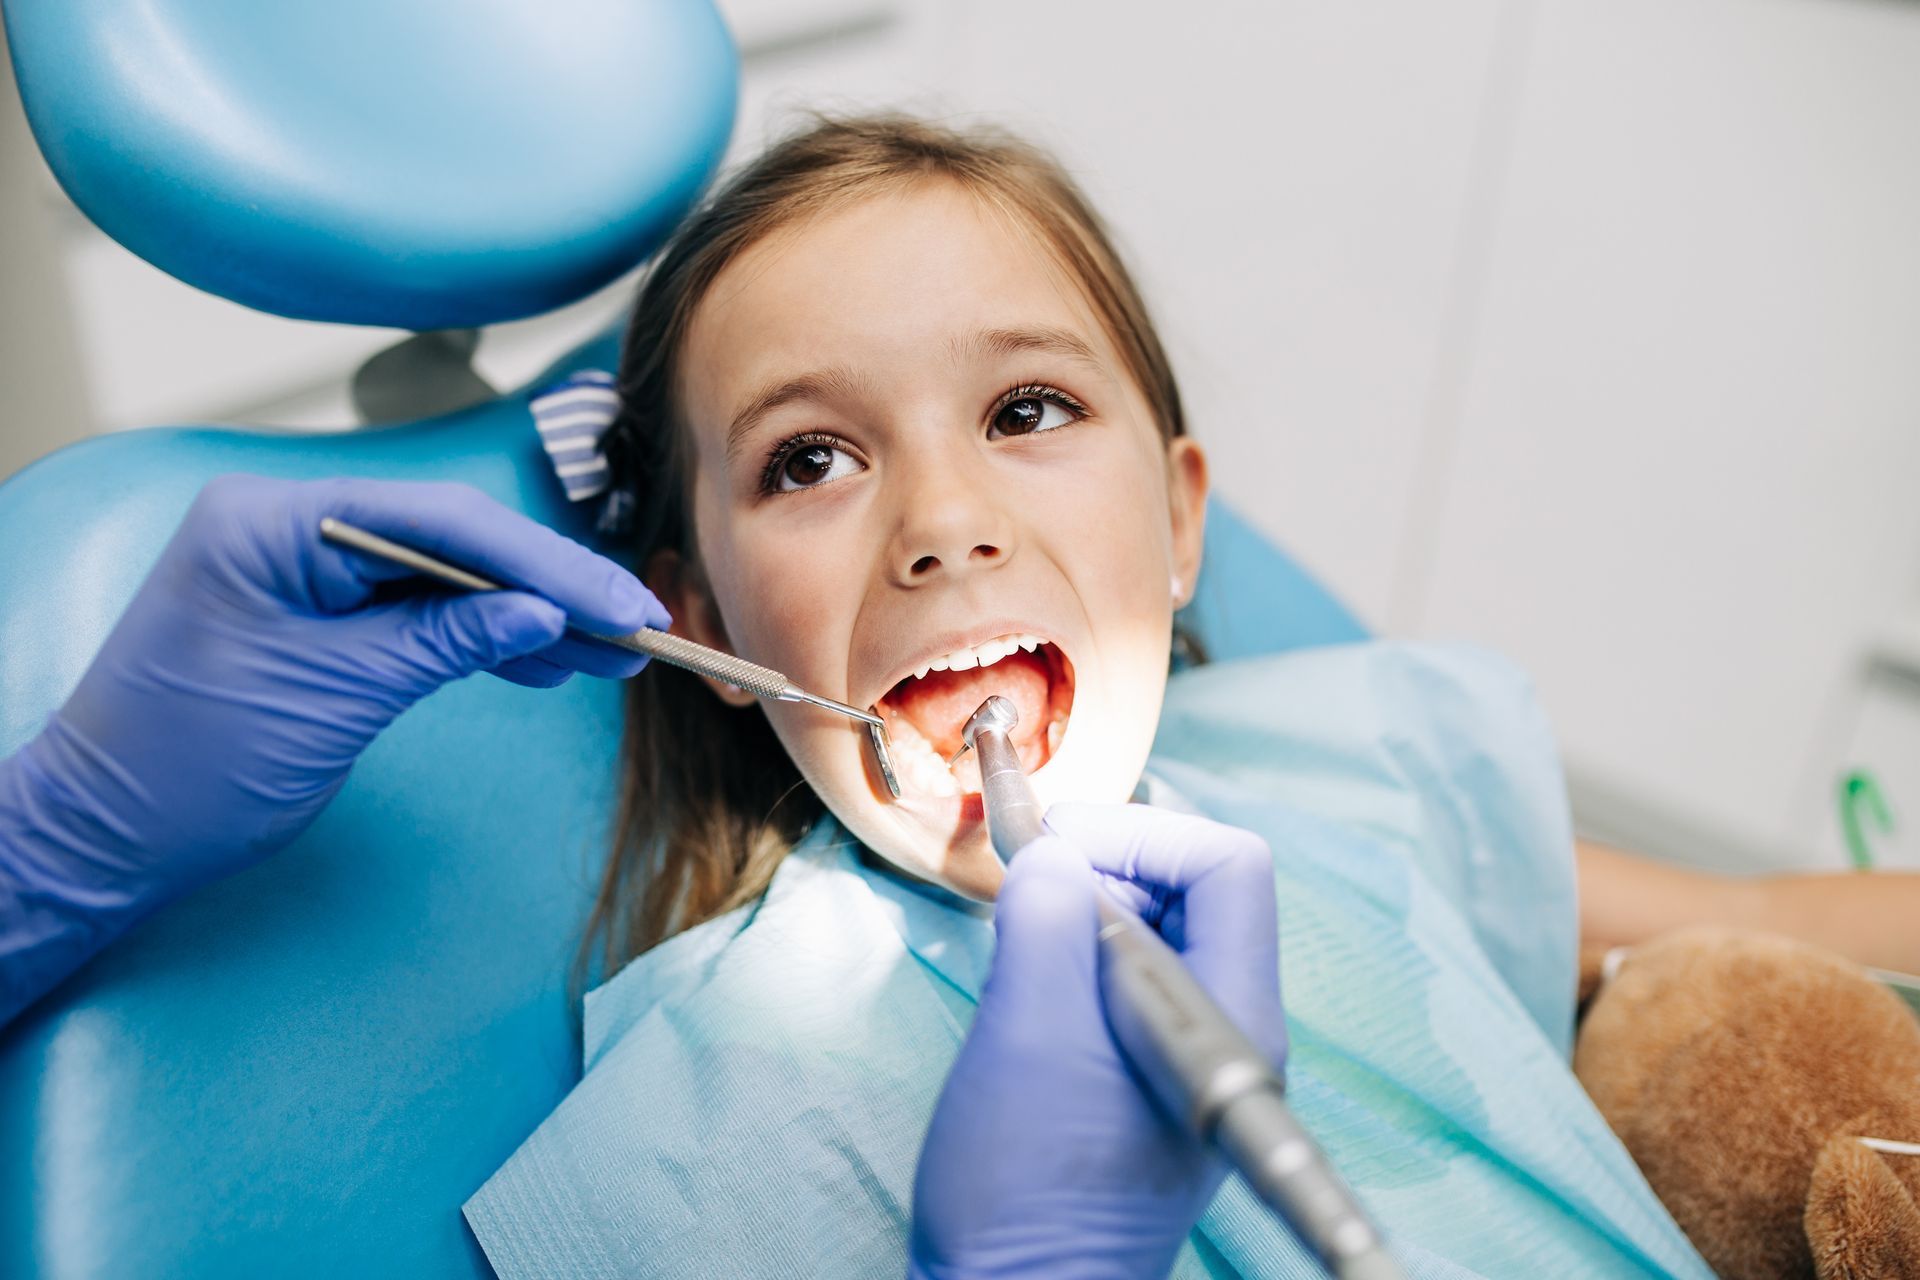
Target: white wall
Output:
[
  {"x": 1579, "y": 327},
  {"x": 1680, "y": 468},
  {"x": 43, "y": 398}
]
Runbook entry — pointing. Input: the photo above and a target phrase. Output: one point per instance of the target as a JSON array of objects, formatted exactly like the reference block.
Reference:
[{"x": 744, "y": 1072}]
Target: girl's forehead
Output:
[{"x": 895, "y": 278}]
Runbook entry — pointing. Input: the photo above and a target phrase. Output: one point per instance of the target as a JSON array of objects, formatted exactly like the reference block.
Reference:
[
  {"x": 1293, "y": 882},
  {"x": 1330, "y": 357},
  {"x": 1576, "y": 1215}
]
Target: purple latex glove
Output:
[
  {"x": 1045, "y": 1158},
  {"x": 251, "y": 669}
]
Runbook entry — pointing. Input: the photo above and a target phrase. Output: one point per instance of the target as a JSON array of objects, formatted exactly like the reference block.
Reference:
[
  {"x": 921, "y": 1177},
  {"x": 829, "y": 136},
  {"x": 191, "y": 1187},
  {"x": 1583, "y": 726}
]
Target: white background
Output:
[{"x": 1588, "y": 329}]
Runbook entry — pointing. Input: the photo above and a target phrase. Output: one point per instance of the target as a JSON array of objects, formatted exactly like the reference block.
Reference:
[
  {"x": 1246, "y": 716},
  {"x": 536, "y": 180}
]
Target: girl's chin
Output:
[
  {"x": 946, "y": 840},
  {"x": 943, "y": 838},
  {"x": 974, "y": 872}
]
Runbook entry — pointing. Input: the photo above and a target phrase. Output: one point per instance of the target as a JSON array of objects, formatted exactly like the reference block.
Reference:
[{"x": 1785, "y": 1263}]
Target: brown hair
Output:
[{"x": 710, "y": 802}]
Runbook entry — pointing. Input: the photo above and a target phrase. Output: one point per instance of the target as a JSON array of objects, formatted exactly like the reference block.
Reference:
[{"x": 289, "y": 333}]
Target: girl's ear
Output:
[
  {"x": 683, "y": 589},
  {"x": 1187, "y": 501}
]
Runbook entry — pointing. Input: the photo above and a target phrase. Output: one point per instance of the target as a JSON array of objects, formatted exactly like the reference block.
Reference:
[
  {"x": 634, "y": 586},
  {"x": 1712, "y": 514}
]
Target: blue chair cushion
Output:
[
  {"x": 305, "y": 1070},
  {"x": 1252, "y": 598}
]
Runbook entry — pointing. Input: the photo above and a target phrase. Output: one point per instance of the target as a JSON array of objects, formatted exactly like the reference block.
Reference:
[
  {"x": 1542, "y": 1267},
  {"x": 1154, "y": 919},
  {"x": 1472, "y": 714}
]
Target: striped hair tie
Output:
[{"x": 572, "y": 417}]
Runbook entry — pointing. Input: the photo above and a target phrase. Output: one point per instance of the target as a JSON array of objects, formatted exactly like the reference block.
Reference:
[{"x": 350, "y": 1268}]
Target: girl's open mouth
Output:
[{"x": 926, "y": 711}]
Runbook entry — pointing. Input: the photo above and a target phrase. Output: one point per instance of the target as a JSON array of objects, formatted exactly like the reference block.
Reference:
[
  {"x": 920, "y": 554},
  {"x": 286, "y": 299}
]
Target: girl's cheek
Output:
[
  {"x": 1127, "y": 562},
  {"x": 1123, "y": 494},
  {"x": 784, "y": 598}
]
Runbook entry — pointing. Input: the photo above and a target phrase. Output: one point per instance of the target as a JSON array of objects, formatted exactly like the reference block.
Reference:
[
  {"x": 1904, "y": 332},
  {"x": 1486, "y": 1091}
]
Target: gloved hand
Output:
[
  {"x": 1044, "y": 1157},
  {"x": 251, "y": 669}
]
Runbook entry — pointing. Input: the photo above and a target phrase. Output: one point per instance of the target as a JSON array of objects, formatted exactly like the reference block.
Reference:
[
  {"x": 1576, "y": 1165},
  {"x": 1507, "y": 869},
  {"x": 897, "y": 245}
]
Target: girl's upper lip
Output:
[{"x": 949, "y": 641}]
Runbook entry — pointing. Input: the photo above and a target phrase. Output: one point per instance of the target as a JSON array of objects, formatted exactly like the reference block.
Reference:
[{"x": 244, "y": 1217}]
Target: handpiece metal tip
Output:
[{"x": 996, "y": 713}]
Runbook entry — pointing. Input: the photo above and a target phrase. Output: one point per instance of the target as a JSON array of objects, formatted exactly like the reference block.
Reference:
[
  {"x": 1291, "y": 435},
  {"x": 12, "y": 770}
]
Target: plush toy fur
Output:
[{"x": 1739, "y": 1069}]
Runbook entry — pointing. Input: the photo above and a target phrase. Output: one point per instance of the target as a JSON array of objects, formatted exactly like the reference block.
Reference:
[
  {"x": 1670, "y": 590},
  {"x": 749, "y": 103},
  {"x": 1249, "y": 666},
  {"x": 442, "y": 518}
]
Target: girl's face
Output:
[{"x": 922, "y": 475}]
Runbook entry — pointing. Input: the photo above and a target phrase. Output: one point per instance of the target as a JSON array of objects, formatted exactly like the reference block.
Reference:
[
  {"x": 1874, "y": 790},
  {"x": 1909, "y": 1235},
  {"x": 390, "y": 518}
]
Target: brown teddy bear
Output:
[{"x": 1742, "y": 1071}]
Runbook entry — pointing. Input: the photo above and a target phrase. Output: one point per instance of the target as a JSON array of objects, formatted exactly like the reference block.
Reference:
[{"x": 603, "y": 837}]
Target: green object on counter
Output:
[{"x": 1859, "y": 791}]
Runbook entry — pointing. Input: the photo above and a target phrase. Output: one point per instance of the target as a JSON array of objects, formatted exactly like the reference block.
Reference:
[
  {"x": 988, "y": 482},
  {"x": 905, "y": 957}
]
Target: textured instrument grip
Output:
[{"x": 760, "y": 681}]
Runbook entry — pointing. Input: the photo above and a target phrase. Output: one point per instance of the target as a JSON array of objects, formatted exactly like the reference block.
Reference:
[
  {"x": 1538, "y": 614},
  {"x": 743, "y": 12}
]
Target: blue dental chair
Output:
[{"x": 305, "y": 1070}]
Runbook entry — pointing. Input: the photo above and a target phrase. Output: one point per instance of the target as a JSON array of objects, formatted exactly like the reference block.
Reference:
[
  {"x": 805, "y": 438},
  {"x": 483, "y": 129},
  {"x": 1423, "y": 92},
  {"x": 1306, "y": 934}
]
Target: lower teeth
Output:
[{"x": 921, "y": 768}]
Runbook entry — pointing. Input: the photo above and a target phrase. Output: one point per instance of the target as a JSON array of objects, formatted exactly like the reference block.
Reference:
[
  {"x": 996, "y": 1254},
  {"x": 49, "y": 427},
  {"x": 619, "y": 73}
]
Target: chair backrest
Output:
[{"x": 305, "y": 1069}]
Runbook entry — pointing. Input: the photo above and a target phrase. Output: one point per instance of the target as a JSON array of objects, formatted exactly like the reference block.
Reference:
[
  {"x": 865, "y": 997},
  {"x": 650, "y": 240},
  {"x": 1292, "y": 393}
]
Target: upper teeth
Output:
[{"x": 984, "y": 654}]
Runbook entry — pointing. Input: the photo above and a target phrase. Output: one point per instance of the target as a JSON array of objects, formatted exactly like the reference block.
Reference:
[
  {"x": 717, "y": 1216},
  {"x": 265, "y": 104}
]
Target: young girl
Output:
[{"x": 901, "y": 428}]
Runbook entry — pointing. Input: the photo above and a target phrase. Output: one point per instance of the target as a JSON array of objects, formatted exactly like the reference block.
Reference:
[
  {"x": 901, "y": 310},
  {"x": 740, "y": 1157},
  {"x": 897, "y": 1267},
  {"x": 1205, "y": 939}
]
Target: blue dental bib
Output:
[{"x": 756, "y": 1089}]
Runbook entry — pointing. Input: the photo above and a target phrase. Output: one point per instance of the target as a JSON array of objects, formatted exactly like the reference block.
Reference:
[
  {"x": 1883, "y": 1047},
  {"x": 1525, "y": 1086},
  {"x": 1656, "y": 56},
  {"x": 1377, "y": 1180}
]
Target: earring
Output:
[{"x": 1178, "y": 591}]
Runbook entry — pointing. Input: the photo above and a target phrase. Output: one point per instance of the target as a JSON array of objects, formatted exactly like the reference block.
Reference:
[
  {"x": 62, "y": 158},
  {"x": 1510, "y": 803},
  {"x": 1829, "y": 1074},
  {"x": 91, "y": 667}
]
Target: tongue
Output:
[{"x": 939, "y": 702}]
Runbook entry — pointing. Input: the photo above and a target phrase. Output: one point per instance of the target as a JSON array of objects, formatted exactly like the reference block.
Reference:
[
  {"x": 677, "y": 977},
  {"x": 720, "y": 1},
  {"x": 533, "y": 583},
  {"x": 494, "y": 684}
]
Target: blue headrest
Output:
[{"x": 421, "y": 164}]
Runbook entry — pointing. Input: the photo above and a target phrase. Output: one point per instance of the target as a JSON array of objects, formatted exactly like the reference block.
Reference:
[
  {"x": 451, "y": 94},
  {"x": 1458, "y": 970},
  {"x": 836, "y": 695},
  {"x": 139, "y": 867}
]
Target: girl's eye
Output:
[
  {"x": 808, "y": 462},
  {"x": 1025, "y": 411}
]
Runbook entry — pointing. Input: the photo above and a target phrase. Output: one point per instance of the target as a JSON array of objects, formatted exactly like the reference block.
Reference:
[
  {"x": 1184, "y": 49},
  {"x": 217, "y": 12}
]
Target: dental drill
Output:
[
  {"x": 762, "y": 682},
  {"x": 1202, "y": 1069}
]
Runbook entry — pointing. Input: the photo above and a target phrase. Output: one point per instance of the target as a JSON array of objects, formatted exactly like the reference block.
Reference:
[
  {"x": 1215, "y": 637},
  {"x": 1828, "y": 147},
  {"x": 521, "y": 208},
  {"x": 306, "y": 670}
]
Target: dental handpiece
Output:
[
  {"x": 1201, "y": 1067},
  {"x": 762, "y": 682}
]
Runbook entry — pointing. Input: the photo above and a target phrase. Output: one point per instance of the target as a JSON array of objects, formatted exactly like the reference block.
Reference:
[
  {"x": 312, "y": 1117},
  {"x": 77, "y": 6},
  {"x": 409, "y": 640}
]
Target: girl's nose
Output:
[{"x": 952, "y": 520}]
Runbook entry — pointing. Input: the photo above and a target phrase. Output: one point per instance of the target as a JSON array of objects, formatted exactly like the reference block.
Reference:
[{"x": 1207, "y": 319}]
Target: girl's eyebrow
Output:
[
  {"x": 841, "y": 382},
  {"x": 1046, "y": 339}
]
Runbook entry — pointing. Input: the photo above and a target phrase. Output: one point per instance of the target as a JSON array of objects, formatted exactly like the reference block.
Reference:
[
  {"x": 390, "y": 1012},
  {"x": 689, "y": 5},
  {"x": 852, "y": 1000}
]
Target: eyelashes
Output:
[
  {"x": 1027, "y": 408},
  {"x": 1030, "y": 420},
  {"x": 773, "y": 476},
  {"x": 1037, "y": 391}
]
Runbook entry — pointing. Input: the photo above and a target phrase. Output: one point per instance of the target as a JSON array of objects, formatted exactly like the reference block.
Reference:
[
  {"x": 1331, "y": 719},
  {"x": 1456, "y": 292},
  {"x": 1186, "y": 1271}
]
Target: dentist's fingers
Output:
[
  {"x": 557, "y": 662},
  {"x": 465, "y": 527},
  {"x": 534, "y": 672},
  {"x": 1217, "y": 884},
  {"x": 1044, "y": 978},
  {"x": 1156, "y": 846},
  {"x": 465, "y": 634},
  {"x": 578, "y": 653},
  {"x": 1043, "y": 1156}
]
